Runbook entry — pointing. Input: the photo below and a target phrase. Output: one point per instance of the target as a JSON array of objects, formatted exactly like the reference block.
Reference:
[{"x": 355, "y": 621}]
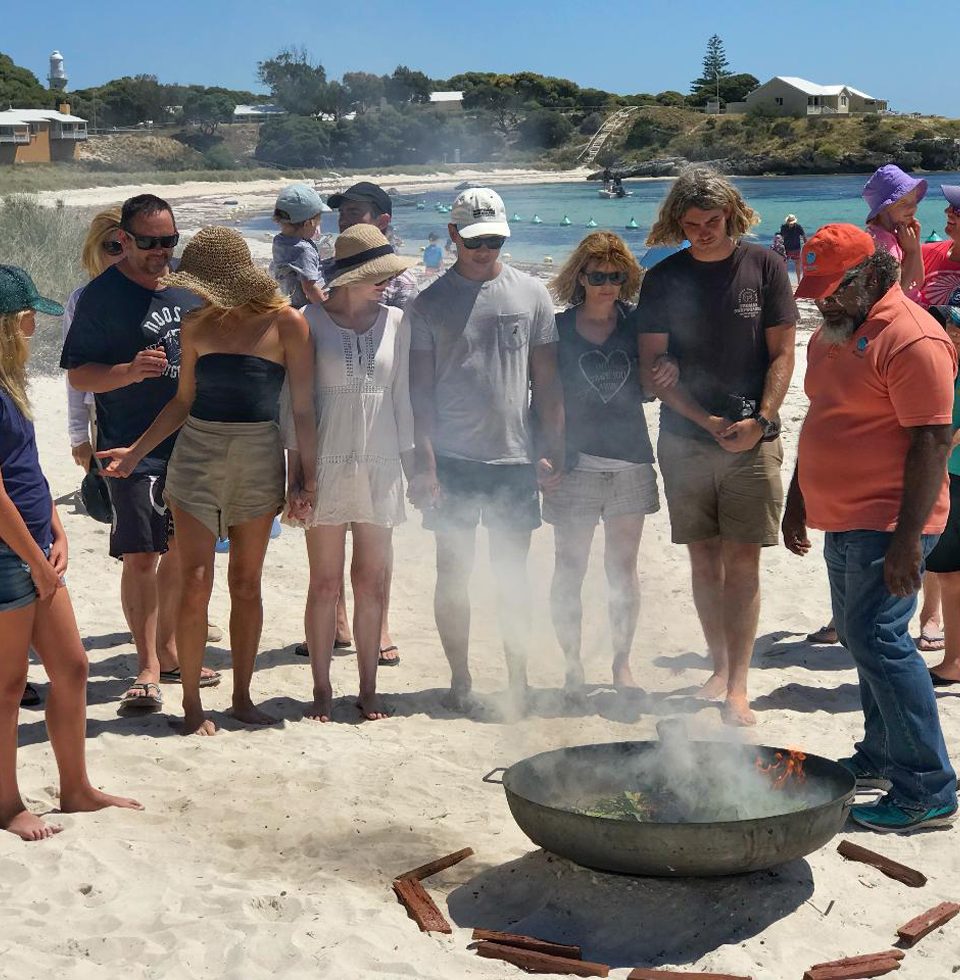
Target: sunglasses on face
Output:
[
  {"x": 492, "y": 242},
  {"x": 147, "y": 243},
  {"x": 112, "y": 247},
  {"x": 599, "y": 278}
]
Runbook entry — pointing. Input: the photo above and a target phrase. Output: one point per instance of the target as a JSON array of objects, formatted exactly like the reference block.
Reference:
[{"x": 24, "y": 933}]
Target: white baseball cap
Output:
[{"x": 479, "y": 211}]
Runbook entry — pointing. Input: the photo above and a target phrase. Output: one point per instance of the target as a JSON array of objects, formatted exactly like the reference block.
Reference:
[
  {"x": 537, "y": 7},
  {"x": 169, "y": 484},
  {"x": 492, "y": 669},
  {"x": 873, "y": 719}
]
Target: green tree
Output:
[
  {"x": 715, "y": 66},
  {"x": 545, "y": 128},
  {"x": 295, "y": 141},
  {"x": 364, "y": 89},
  {"x": 20, "y": 88},
  {"x": 207, "y": 110},
  {"x": 295, "y": 83},
  {"x": 406, "y": 85}
]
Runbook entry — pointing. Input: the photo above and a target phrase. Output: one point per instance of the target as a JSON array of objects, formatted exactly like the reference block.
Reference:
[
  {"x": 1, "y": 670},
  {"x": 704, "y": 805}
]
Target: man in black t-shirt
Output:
[
  {"x": 124, "y": 346},
  {"x": 724, "y": 309}
]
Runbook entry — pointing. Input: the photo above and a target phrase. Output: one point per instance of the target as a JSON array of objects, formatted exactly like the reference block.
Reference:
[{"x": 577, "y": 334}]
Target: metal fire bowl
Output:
[{"x": 537, "y": 788}]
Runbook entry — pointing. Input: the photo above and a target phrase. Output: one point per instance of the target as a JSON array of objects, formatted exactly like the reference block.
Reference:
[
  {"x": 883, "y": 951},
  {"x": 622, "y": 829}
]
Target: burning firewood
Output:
[
  {"x": 783, "y": 768},
  {"x": 913, "y": 931},
  {"x": 641, "y": 973},
  {"x": 892, "y": 869},
  {"x": 434, "y": 867},
  {"x": 528, "y": 942},
  {"x": 420, "y": 906},
  {"x": 855, "y": 967},
  {"x": 535, "y": 962}
]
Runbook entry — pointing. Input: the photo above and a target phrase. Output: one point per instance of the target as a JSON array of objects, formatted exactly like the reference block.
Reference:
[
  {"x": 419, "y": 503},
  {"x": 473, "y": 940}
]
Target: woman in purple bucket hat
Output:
[{"x": 892, "y": 197}]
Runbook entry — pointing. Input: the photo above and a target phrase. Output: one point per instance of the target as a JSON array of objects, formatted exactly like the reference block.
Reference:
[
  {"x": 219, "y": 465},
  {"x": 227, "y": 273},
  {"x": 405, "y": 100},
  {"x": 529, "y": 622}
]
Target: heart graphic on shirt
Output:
[{"x": 605, "y": 373}]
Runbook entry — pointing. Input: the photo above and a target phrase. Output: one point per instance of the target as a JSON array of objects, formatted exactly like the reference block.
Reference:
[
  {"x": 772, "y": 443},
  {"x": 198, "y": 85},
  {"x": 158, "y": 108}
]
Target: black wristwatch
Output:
[{"x": 769, "y": 429}]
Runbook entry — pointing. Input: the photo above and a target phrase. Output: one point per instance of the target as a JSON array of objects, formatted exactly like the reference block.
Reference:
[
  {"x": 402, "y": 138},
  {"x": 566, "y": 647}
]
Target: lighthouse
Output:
[{"x": 58, "y": 76}]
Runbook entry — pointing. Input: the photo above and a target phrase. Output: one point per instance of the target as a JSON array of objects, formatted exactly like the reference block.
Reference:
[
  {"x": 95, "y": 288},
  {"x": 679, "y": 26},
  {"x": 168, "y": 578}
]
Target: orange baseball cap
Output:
[{"x": 829, "y": 255}]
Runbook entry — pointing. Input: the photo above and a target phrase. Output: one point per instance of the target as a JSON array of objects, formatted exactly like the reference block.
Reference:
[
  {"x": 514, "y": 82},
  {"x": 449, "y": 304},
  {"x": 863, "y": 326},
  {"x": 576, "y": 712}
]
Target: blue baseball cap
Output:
[{"x": 297, "y": 203}]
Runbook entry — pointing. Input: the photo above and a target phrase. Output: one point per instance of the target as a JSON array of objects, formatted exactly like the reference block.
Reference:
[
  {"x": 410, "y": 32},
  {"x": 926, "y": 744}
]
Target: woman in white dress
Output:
[{"x": 364, "y": 446}]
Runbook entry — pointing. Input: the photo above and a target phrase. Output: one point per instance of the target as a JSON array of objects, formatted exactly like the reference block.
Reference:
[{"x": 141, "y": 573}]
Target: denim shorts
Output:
[{"x": 16, "y": 583}]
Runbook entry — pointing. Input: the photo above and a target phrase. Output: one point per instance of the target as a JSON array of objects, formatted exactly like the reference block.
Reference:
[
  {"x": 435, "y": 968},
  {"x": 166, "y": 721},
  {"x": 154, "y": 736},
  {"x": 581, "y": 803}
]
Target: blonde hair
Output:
[
  {"x": 101, "y": 229},
  {"x": 604, "y": 248},
  {"x": 13, "y": 359},
  {"x": 703, "y": 188},
  {"x": 218, "y": 315}
]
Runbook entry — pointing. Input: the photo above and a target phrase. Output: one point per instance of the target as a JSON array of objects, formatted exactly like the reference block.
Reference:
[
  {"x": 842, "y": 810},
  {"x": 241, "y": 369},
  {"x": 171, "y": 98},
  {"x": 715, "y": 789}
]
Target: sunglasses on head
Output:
[
  {"x": 112, "y": 247},
  {"x": 492, "y": 242},
  {"x": 599, "y": 278},
  {"x": 148, "y": 242}
]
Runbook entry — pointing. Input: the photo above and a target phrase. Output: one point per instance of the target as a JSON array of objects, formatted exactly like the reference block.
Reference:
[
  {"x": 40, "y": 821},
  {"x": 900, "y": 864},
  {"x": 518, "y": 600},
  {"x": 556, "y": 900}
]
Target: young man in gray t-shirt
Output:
[{"x": 483, "y": 337}]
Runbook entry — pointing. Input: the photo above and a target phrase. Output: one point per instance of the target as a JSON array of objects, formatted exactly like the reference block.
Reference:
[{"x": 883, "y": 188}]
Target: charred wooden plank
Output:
[
  {"x": 894, "y": 954},
  {"x": 854, "y": 968},
  {"x": 912, "y": 932},
  {"x": 434, "y": 867},
  {"x": 420, "y": 906},
  {"x": 892, "y": 869},
  {"x": 528, "y": 942},
  {"x": 534, "y": 962}
]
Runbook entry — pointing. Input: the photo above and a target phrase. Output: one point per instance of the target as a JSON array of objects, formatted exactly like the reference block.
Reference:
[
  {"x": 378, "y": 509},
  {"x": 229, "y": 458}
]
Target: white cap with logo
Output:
[{"x": 479, "y": 211}]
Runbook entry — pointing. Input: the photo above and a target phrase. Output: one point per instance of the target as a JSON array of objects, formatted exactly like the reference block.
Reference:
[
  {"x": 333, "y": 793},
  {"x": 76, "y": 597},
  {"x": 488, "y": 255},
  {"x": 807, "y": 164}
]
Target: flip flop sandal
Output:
[
  {"x": 939, "y": 681},
  {"x": 383, "y": 661},
  {"x": 174, "y": 677},
  {"x": 930, "y": 642},
  {"x": 151, "y": 700},
  {"x": 31, "y": 697},
  {"x": 825, "y": 635}
]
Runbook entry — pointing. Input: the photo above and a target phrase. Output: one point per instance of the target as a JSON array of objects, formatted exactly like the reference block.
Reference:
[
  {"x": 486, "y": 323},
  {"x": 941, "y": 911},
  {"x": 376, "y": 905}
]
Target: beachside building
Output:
[
  {"x": 786, "y": 95},
  {"x": 40, "y": 135},
  {"x": 257, "y": 113},
  {"x": 447, "y": 101}
]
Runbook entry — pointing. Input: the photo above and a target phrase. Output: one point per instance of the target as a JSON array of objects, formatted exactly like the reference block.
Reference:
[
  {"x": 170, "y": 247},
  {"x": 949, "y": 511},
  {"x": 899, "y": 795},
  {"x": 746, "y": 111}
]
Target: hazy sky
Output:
[{"x": 626, "y": 47}]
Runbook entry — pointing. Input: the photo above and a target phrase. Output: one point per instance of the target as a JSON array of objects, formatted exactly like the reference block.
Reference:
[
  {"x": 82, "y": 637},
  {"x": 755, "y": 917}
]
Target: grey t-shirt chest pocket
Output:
[{"x": 513, "y": 330}]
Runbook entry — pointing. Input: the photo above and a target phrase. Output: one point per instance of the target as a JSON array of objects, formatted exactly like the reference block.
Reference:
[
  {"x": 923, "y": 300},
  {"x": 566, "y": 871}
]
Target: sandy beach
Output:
[{"x": 271, "y": 852}]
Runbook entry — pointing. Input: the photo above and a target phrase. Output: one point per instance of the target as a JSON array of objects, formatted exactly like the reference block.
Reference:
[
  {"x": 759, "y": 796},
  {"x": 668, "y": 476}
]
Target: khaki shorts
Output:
[
  {"x": 715, "y": 494},
  {"x": 226, "y": 473},
  {"x": 584, "y": 496}
]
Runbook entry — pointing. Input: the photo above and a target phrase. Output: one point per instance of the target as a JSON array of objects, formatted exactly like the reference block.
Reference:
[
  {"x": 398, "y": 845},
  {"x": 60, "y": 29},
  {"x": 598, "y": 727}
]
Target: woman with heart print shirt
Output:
[{"x": 609, "y": 460}]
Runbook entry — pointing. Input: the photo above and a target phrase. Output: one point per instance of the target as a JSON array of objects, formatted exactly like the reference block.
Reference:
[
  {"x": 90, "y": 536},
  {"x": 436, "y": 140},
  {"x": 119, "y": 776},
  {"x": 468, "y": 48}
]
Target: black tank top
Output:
[{"x": 237, "y": 388}]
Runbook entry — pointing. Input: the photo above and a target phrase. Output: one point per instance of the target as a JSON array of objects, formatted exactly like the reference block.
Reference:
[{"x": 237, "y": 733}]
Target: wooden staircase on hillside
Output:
[{"x": 611, "y": 125}]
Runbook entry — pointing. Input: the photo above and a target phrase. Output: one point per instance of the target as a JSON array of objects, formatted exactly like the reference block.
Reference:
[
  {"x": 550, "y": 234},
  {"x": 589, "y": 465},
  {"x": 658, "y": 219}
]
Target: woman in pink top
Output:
[
  {"x": 892, "y": 197},
  {"x": 941, "y": 260}
]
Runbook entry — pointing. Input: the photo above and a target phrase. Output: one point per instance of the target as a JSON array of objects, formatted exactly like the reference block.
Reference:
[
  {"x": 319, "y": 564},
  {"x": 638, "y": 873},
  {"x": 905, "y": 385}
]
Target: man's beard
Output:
[{"x": 839, "y": 329}]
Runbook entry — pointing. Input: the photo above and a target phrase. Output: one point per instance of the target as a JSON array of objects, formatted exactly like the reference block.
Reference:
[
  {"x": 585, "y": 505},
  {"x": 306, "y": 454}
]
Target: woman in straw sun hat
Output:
[
  {"x": 365, "y": 438},
  {"x": 226, "y": 474}
]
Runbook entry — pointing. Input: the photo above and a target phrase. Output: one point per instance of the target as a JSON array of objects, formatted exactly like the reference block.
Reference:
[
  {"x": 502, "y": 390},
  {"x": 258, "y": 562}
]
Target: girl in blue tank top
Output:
[{"x": 35, "y": 607}]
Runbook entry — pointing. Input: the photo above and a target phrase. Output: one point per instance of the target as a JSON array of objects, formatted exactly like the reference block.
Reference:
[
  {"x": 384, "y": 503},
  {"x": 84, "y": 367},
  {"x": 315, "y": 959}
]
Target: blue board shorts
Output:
[{"x": 16, "y": 583}]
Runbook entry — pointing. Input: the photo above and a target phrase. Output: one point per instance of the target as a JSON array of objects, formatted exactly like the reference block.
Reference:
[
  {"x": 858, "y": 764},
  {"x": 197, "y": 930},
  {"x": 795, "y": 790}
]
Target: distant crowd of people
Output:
[{"x": 207, "y": 396}]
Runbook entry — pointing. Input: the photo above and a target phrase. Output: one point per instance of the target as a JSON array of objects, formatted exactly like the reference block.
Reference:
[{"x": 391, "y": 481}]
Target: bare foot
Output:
[
  {"x": 372, "y": 708},
  {"x": 622, "y": 674},
  {"x": 250, "y": 714},
  {"x": 29, "y": 827},
  {"x": 736, "y": 711},
  {"x": 714, "y": 689},
  {"x": 322, "y": 707},
  {"x": 89, "y": 800},
  {"x": 459, "y": 698},
  {"x": 197, "y": 724}
]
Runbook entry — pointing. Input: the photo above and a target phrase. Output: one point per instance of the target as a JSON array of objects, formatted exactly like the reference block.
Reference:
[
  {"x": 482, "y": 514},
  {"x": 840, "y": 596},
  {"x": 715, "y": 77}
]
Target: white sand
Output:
[{"x": 271, "y": 852}]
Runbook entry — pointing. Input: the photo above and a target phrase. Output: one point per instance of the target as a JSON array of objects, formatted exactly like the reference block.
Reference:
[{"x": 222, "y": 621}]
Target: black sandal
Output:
[{"x": 31, "y": 697}]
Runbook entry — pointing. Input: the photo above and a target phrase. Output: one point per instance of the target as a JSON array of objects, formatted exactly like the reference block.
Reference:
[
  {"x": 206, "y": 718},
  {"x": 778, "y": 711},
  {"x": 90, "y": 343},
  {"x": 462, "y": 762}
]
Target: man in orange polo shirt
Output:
[{"x": 871, "y": 473}]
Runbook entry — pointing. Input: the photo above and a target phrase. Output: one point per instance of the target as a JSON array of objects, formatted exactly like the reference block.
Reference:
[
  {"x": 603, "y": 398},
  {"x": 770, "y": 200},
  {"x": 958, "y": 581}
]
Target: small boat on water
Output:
[
  {"x": 565, "y": 221},
  {"x": 536, "y": 220},
  {"x": 591, "y": 223},
  {"x": 614, "y": 192},
  {"x": 632, "y": 224}
]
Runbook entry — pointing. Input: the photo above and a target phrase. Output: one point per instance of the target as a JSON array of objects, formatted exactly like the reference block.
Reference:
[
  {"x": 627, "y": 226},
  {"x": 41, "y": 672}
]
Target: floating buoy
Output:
[
  {"x": 591, "y": 223},
  {"x": 516, "y": 217},
  {"x": 536, "y": 220},
  {"x": 933, "y": 237},
  {"x": 632, "y": 223},
  {"x": 565, "y": 221},
  {"x": 548, "y": 260},
  {"x": 420, "y": 205}
]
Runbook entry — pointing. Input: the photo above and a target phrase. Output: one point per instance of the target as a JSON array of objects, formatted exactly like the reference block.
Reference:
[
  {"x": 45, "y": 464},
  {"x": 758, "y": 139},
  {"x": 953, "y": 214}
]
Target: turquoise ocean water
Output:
[{"x": 814, "y": 200}]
